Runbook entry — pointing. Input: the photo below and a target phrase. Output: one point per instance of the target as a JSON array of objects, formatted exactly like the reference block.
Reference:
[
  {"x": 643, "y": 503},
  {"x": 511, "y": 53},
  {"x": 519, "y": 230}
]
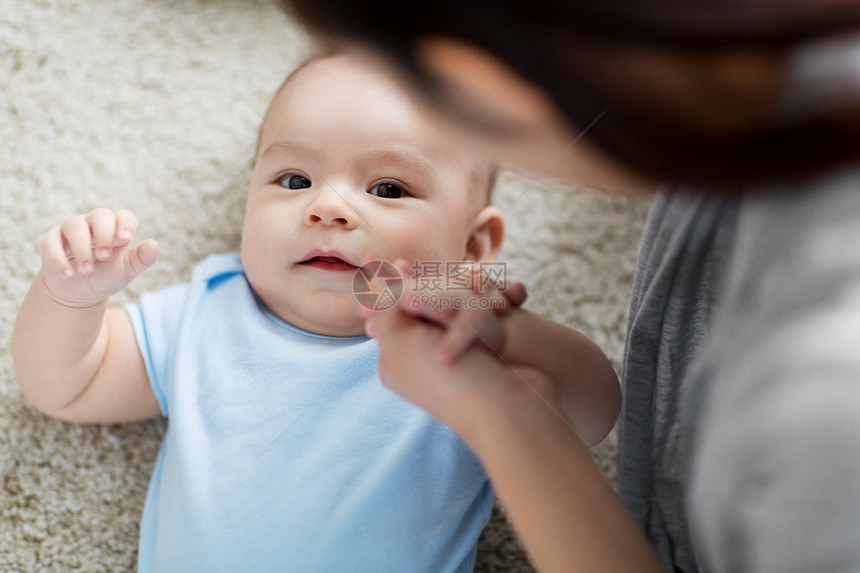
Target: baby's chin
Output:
[{"x": 326, "y": 321}]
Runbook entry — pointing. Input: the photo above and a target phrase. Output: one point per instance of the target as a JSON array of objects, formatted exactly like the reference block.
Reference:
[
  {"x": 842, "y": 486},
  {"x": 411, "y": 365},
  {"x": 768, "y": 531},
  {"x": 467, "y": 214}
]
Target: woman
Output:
[{"x": 741, "y": 383}]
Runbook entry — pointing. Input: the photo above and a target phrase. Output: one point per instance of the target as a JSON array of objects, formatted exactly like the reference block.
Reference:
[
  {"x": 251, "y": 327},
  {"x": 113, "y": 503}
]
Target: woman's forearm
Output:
[
  {"x": 558, "y": 501},
  {"x": 554, "y": 494}
]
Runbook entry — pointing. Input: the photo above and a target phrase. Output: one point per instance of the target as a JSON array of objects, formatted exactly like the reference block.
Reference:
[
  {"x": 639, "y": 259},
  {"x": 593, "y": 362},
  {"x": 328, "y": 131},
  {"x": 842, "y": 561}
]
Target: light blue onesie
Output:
[{"x": 284, "y": 451}]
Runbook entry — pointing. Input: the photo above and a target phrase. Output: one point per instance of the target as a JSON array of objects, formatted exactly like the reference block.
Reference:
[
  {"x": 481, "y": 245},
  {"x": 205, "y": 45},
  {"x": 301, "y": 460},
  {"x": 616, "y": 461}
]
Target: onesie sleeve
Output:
[{"x": 156, "y": 319}]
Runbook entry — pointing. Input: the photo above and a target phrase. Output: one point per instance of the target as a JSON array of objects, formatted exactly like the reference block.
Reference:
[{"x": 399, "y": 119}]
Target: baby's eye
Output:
[
  {"x": 387, "y": 191},
  {"x": 295, "y": 182}
]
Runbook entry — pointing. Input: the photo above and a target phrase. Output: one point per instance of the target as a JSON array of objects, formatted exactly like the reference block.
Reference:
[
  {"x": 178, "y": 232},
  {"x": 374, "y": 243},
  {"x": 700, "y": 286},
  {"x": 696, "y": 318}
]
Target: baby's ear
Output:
[{"x": 486, "y": 235}]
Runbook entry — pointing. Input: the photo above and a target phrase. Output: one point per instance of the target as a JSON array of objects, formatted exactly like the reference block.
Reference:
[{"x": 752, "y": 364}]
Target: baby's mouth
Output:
[{"x": 328, "y": 263}]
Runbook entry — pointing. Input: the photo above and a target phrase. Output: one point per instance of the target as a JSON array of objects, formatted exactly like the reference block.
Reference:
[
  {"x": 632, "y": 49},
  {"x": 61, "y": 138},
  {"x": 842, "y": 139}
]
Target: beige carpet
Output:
[{"x": 153, "y": 105}]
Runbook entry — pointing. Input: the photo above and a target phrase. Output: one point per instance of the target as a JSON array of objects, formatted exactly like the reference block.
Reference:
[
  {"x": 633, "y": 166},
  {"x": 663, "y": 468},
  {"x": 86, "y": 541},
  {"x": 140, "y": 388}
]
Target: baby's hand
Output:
[{"x": 88, "y": 258}]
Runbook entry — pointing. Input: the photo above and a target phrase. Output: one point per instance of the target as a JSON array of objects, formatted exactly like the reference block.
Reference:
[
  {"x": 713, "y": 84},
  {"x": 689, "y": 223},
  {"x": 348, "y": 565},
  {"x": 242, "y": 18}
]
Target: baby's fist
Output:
[{"x": 88, "y": 258}]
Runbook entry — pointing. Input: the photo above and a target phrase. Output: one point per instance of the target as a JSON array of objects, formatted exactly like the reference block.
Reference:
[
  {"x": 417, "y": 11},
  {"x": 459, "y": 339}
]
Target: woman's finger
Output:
[
  {"x": 436, "y": 307},
  {"x": 515, "y": 293},
  {"x": 469, "y": 327}
]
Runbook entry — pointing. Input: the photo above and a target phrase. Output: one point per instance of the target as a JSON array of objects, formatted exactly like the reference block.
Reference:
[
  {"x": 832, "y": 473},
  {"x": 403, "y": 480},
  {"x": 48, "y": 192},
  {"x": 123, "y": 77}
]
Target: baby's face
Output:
[{"x": 346, "y": 173}]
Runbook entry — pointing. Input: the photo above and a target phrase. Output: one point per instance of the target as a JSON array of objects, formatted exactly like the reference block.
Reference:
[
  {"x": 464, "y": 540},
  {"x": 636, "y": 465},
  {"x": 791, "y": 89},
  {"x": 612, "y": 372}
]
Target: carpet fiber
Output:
[{"x": 154, "y": 105}]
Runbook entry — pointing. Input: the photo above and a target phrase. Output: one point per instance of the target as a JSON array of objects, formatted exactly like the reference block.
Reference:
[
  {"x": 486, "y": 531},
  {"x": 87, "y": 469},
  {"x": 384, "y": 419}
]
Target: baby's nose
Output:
[{"x": 330, "y": 208}]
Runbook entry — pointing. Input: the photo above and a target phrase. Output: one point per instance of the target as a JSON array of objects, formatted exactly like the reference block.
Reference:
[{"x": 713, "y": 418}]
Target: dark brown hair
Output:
[{"x": 718, "y": 120}]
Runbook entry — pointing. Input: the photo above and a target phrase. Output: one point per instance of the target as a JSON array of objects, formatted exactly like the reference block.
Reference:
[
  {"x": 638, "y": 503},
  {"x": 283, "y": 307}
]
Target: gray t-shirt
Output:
[{"x": 740, "y": 430}]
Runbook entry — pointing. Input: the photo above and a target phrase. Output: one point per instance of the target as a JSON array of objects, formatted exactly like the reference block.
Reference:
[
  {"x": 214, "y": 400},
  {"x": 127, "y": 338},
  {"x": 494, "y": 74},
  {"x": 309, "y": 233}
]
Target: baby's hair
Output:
[
  {"x": 482, "y": 180},
  {"x": 320, "y": 54}
]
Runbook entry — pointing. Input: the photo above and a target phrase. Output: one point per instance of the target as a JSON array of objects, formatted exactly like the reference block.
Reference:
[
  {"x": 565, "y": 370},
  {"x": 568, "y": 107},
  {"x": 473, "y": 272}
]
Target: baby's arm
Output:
[
  {"x": 75, "y": 358},
  {"x": 583, "y": 382}
]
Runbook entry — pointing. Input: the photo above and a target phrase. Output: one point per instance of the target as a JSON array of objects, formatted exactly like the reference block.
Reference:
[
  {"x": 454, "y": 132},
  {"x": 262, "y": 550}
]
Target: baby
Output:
[{"x": 283, "y": 451}]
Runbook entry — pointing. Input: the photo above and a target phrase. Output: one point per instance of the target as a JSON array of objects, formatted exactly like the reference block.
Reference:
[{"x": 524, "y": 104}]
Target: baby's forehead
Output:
[
  {"x": 351, "y": 74},
  {"x": 344, "y": 69}
]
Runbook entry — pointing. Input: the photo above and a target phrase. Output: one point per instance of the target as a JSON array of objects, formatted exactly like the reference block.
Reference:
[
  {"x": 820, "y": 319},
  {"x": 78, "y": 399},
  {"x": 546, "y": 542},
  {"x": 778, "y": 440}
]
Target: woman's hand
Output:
[
  {"x": 449, "y": 391},
  {"x": 468, "y": 316},
  {"x": 436, "y": 331}
]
